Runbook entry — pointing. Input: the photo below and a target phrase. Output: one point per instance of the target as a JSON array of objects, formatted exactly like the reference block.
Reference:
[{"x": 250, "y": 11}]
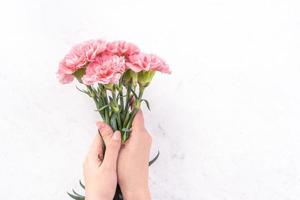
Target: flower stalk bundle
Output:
[{"x": 115, "y": 75}]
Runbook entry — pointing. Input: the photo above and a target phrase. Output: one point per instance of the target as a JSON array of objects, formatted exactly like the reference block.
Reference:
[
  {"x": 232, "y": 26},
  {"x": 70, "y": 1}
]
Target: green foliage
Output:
[
  {"x": 147, "y": 103},
  {"x": 75, "y": 195}
]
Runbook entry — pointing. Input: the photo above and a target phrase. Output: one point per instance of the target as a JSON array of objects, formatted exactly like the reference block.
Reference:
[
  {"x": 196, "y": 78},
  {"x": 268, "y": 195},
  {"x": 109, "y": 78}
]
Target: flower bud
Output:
[
  {"x": 130, "y": 76},
  {"x": 145, "y": 77},
  {"x": 79, "y": 74},
  {"x": 109, "y": 86}
]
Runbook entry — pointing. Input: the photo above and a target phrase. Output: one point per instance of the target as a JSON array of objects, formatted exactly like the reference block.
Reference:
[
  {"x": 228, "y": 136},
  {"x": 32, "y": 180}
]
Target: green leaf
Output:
[
  {"x": 102, "y": 108},
  {"x": 75, "y": 197},
  {"x": 79, "y": 195},
  {"x": 154, "y": 159},
  {"x": 83, "y": 91},
  {"x": 136, "y": 96},
  {"x": 113, "y": 122},
  {"x": 81, "y": 184},
  {"x": 147, "y": 103}
]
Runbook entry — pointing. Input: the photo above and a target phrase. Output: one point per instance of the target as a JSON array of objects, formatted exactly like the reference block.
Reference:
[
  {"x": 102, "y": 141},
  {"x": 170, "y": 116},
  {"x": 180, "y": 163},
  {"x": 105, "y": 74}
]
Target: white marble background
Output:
[{"x": 226, "y": 121}]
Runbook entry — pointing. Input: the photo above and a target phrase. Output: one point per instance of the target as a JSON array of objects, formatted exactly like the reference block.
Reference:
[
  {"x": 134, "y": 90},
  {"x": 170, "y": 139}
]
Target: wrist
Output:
[
  {"x": 137, "y": 194},
  {"x": 91, "y": 196}
]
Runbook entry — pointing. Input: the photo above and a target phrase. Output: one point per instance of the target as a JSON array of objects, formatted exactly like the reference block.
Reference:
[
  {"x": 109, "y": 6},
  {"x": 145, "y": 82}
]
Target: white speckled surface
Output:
[{"x": 226, "y": 121}]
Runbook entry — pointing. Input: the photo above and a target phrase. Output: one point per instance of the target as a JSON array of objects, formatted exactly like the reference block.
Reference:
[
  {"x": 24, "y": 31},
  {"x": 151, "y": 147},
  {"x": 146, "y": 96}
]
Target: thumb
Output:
[{"x": 138, "y": 121}]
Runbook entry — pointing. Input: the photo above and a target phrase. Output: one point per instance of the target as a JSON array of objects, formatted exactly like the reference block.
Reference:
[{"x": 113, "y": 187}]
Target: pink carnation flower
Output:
[
  {"x": 73, "y": 61},
  {"x": 146, "y": 62},
  {"x": 78, "y": 57},
  {"x": 122, "y": 48},
  {"x": 93, "y": 48},
  {"x": 64, "y": 78},
  {"x": 105, "y": 69}
]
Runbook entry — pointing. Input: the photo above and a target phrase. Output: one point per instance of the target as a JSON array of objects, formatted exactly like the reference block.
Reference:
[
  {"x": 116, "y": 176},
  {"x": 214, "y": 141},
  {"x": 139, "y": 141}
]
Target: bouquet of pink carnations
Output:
[{"x": 115, "y": 75}]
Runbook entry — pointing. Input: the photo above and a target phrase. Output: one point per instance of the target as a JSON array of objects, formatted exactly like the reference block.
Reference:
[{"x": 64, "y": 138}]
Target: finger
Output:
[
  {"x": 105, "y": 131},
  {"x": 95, "y": 150},
  {"x": 112, "y": 142},
  {"x": 138, "y": 122},
  {"x": 112, "y": 151}
]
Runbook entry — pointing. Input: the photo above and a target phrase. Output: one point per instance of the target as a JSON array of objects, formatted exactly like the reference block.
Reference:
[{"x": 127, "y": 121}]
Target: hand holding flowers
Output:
[
  {"x": 115, "y": 75},
  {"x": 101, "y": 173}
]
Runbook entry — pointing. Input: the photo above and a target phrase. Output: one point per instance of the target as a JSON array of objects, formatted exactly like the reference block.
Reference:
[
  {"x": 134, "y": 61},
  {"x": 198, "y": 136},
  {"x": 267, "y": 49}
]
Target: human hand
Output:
[
  {"x": 100, "y": 174},
  {"x": 133, "y": 162}
]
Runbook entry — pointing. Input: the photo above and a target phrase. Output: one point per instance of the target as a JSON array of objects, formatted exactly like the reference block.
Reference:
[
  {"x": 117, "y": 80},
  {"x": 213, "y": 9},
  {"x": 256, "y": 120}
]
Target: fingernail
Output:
[
  {"x": 116, "y": 135},
  {"x": 100, "y": 125}
]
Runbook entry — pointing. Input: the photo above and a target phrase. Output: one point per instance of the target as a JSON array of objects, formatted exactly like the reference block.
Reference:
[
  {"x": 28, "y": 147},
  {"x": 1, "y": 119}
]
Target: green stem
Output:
[
  {"x": 115, "y": 102},
  {"x": 106, "y": 110},
  {"x": 94, "y": 97},
  {"x": 132, "y": 115},
  {"x": 119, "y": 121},
  {"x": 113, "y": 93},
  {"x": 128, "y": 97},
  {"x": 121, "y": 97},
  {"x": 137, "y": 106},
  {"x": 126, "y": 119}
]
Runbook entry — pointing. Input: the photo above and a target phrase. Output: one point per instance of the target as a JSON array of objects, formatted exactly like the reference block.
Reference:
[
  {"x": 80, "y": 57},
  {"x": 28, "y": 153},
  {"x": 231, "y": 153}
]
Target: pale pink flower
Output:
[
  {"x": 79, "y": 56},
  {"x": 158, "y": 64},
  {"x": 64, "y": 78},
  {"x": 73, "y": 61},
  {"x": 105, "y": 69},
  {"x": 146, "y": 62},
  {"x": 93, "y": 48},
  {"x": 122, "y": 48},
  {"x": 138, "y": 63}
]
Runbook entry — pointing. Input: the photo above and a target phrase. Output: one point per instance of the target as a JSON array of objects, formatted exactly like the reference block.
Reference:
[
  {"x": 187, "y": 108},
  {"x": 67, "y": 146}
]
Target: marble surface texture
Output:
[{"x": 226, "y": 121}]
